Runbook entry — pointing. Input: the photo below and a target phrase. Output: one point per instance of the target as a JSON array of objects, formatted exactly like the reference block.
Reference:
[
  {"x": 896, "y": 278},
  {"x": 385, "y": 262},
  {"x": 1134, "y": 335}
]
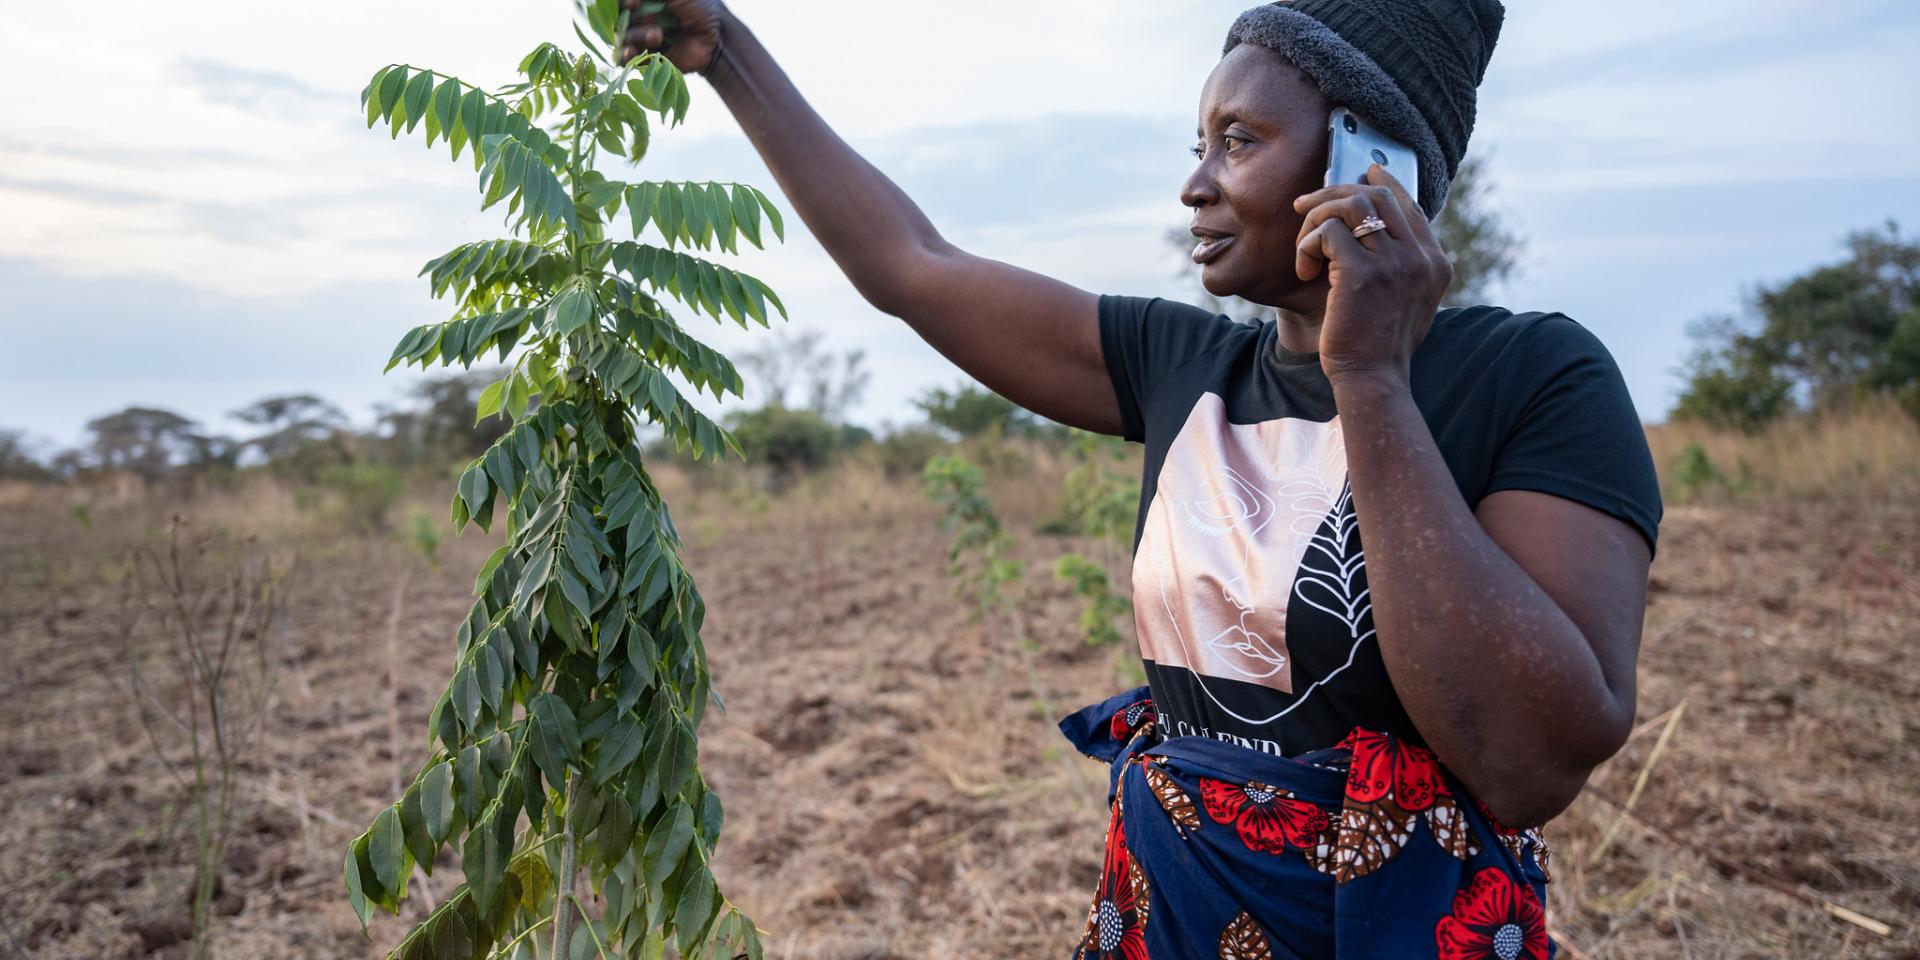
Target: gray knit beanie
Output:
[{"x": 1409, "y": 67}]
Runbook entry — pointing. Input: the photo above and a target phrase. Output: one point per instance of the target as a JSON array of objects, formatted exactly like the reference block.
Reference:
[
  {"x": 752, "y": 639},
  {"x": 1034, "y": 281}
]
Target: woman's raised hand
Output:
[{"x": 695, "y": 31}]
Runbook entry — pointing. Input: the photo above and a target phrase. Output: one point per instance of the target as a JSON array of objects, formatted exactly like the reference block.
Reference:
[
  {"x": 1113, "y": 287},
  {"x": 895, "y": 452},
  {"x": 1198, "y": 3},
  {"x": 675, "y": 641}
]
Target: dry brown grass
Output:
[
  {"x": 891, "y": 788},
  {"x": 1871, "y": 451}
]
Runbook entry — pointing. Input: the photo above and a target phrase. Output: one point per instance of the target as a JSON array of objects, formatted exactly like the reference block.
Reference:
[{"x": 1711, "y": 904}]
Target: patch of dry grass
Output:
[{"x": 1871, "y": 451}]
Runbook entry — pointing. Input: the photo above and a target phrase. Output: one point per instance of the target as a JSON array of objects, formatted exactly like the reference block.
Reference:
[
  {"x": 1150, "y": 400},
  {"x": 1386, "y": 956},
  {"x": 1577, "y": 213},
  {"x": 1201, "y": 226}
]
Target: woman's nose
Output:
[{"x": 1199, "y": 190}]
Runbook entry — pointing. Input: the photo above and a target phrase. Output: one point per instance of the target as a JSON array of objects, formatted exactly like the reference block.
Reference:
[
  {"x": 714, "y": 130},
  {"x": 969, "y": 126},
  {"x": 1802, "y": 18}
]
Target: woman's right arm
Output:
[{"x": 1031, "y": 338}]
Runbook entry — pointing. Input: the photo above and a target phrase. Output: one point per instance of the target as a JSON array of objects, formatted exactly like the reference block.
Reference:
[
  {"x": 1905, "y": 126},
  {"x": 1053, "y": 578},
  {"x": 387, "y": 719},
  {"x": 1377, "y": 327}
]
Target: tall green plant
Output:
[{"x": 580, "y": 677}]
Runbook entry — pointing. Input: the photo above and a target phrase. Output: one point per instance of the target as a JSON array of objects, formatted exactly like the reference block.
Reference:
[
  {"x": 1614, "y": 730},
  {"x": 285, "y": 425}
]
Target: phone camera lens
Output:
[
  {"x": 1353, "y": 126},
  {"x": 1379, "y": 158}
]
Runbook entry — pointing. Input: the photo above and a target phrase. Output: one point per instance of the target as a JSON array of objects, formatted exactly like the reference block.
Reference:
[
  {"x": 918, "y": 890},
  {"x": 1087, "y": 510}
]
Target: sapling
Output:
[{"x": 565, "y": 740}]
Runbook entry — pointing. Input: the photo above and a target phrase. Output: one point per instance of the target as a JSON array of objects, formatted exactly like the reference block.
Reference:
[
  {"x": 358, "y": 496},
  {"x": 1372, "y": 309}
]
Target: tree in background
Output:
[
  {"x": 786, "y": 441},
  {"x": 442, "y": 426},
  {"x": 789, "y": 439},
  {"x": 831, "y": 383},
  {"x": 1484, "y": 249},
  {"x": 18, "y": 462},
  {"x": 971, "y": 411},
  {"x": 141, "y": 440},
  {"x": 303, "y": 433},
  {"x": 1818, "y": 341}
]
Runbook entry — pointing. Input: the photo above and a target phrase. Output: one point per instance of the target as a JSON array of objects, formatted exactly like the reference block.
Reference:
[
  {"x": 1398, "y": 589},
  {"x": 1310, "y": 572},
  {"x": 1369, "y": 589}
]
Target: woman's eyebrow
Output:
[{"x": 1224, "y": 120}]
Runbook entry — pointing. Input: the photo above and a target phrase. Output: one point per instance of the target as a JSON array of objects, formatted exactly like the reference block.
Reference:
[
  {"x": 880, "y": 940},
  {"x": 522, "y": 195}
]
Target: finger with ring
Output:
[{"x": 1349, "y": 211}]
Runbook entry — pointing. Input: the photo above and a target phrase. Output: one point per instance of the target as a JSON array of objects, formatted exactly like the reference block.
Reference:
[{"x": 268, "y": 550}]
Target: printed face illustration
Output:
[{"x": 1245, "y": 516}]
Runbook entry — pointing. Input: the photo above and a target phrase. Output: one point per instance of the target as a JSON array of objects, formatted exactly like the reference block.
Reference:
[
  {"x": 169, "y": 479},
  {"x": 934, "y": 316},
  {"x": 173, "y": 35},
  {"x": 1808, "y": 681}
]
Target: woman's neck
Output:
[{"x": 1300, "y": 332}]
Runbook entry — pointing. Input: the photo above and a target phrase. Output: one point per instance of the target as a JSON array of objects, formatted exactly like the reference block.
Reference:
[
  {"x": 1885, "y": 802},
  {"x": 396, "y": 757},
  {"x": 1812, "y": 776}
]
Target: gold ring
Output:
[{"x": 1369, "y": 225}]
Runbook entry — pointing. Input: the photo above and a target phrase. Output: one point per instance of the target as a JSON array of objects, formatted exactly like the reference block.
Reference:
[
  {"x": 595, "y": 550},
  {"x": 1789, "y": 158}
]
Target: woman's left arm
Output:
[{"x": 1510, "y": 632}]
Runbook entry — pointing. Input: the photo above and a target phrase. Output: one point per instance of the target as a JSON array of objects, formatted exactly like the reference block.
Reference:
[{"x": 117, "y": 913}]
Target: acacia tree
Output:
[{"x": 565, "y": 740}]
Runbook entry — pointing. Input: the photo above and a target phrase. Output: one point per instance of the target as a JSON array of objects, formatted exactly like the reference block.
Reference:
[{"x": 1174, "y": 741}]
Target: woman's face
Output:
[{"x": 1263, "y": 142}]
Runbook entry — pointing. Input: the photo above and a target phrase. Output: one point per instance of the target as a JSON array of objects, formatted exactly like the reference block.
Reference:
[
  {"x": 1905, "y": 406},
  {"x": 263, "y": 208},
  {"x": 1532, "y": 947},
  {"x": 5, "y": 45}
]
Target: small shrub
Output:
[
  {"x": 1696, "y": 475},
  {"x": 366, "y": 492},
  {"x": 1103, "y": 606},
  {"x": 787, "y": 442},
  {"x": 904, "y": 453},
  {"x": 976, "y": 554},
  {"x": 425, "y": 538}
]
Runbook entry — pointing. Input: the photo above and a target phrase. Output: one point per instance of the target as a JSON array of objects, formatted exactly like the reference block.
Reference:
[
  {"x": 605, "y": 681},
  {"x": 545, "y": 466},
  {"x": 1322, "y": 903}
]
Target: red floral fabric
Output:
[
  {"x": 1391, "y": 786},
  {"x": 1117, "y": 921},
  {"x": 1493, "y": 919},
  {"x": 1267, "y": 818},
  {"x": 1132, "y": 717},
  {"x": 1386, "y": 768}
]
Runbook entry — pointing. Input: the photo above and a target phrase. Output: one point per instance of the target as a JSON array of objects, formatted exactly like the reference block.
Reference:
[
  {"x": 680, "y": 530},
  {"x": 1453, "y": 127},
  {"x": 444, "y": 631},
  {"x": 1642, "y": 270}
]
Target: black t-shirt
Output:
[{"x": 1249, "y": 582}]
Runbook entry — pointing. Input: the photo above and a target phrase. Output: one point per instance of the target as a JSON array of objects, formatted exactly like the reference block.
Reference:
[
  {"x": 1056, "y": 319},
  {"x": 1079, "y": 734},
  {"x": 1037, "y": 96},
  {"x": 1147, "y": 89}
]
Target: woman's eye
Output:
[
  {"x": 1199, "y": 151},
  {"x": 1233, "y": 141}
]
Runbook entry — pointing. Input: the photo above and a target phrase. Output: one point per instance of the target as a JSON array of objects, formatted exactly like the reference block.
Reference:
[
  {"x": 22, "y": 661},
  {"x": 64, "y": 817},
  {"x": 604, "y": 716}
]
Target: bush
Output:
[
  {"x": 904, "y": 453},
  {"x": 971, "y": 411},
  {"x": 785, "y": 441},
  {"x": 1695, "y": 474},
  {"x": 366, "y": 491}
]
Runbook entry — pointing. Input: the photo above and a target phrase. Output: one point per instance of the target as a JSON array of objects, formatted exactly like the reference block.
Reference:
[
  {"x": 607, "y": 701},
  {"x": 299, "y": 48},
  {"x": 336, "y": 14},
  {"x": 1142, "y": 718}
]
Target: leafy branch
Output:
[{"x": 566, "y": 738}]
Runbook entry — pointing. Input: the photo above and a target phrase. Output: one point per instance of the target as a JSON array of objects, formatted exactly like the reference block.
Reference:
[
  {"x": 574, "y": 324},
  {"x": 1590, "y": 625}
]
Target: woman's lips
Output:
[{"x": 1211, "y": 247}]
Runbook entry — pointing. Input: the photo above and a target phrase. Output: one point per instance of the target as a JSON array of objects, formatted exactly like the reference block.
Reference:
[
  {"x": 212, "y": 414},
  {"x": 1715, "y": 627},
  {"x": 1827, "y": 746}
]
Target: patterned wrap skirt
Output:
[{"x": 1368, "y": 849}]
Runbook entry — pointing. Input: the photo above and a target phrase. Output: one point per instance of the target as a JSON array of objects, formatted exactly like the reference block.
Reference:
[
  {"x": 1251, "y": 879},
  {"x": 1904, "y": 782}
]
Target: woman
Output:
[{"x": 1338, "y": 753}]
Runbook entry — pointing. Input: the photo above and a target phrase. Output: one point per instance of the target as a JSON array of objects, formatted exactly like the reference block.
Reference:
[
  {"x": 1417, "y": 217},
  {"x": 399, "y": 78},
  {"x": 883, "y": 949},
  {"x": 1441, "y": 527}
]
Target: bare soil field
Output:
[{"x": 893, "y": 781}]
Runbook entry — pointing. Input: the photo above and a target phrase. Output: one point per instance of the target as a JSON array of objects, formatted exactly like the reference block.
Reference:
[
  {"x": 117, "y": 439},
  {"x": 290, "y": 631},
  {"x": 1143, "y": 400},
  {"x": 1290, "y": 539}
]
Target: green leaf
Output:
[
  {"x": 491, "y": 675},
  {"x": 483, "y": 862},
  {"x": 413, "y": 829},
  {"x": 536, "y": 881},
  {"x": 487, "y": 569},
  {"x": 574, "y": 589},
  {"x": 472, "y": 792},
  {"x": 677, "y": 756},
  {"x": 667, "y": 845},
  {"x": 472, "y": 110},
  {"x": 595, "y": 719},
  {"x": 712, "y": 816},
  {"x": 746, "y": 213},
  {"x": 387, "y": 849},
  {"x": 489, "y": 404},
  {"x": 694, "y": 912},
  {"x": 370, "y": 97},
  {"x": 436, "y": 802},
  {"x": 356, "y": 893},
  {"x": 415, "y": 99},
  {"x": 555, "y": 736},
  {"x": 474, "y": 488},
  {"x": 617, "y": 750},
  {"x": 466, "y": 695},
  {"x": 572, "y": 311},
  {"x": 773, "y": 217},
  {"x": 614, "y": 835}
]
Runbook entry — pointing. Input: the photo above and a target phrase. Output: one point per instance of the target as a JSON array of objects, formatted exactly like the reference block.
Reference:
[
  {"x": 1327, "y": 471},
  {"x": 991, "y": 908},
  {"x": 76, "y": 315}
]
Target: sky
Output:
[{"x": 193, "y": 214}]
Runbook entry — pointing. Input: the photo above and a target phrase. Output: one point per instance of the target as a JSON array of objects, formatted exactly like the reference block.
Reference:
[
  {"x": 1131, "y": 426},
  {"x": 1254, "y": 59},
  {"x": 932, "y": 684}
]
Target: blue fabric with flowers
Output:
[{"x": 1367, "y": 849}]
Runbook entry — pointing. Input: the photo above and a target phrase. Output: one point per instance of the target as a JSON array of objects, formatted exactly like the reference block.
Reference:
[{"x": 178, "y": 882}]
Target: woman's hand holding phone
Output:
[{"x": 1384, "y": 287}]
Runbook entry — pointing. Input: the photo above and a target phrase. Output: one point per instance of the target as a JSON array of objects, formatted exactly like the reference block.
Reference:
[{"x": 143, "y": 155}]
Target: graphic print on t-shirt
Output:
[{"x": 1249, "y": 542}]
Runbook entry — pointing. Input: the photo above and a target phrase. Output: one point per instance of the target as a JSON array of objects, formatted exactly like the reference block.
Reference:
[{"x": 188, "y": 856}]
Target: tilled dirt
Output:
[{"x": 893, "y": 781}]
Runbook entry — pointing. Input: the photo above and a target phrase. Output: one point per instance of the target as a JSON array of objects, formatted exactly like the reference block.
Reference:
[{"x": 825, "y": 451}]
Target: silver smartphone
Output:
[{"x": 1352, "y": 145}]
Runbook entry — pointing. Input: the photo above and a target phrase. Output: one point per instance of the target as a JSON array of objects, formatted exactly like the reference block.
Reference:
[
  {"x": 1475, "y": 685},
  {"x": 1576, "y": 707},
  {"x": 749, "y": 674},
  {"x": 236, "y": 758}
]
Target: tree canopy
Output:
[{"x": 1817, "y": 341}]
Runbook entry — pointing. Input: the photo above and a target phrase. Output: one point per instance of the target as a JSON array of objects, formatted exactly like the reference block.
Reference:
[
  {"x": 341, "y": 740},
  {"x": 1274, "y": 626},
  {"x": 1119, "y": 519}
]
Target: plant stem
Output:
[
  {"x": 506, "y": 949},
  {"x": 563, "y": 904}
]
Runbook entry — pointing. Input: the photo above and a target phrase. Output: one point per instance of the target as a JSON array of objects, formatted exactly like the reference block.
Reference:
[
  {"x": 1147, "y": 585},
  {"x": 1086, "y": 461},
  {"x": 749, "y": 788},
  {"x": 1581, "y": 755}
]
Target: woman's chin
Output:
[{"x": 1223, "y": 284}]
